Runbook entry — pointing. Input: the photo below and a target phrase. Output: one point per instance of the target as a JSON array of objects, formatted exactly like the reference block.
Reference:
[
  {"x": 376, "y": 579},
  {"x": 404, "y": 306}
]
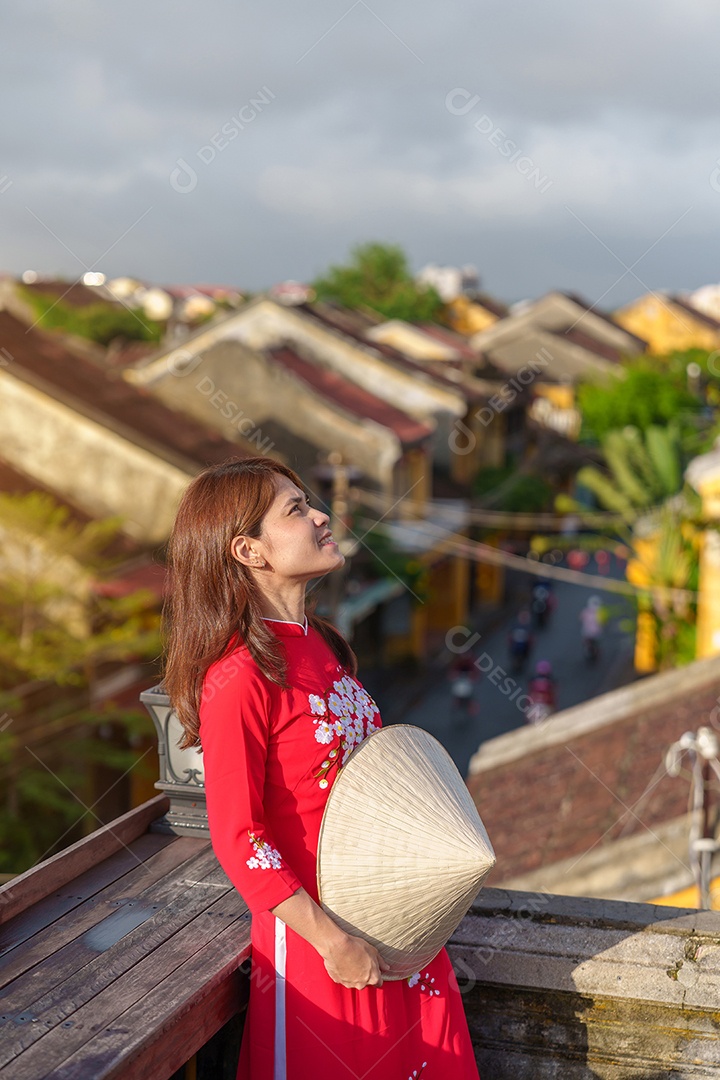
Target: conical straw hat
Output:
[{"x": 402, "y": 851}]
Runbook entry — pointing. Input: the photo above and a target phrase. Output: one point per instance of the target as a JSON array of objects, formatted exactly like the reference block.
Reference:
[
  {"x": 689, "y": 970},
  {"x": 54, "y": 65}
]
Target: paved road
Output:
[{"x": 497, "y": 704}]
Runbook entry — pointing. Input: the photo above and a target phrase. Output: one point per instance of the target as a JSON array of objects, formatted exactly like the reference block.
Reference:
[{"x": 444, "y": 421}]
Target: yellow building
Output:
[
  {"x": 468, "y": 317},
  {"x": 669, "y": 324},
  {"x": 703, "y": 473}
]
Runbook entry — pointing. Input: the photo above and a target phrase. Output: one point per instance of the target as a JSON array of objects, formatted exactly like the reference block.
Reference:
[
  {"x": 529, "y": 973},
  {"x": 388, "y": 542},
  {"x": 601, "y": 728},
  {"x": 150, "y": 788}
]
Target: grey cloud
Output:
[{"x": 615, "y": 103}]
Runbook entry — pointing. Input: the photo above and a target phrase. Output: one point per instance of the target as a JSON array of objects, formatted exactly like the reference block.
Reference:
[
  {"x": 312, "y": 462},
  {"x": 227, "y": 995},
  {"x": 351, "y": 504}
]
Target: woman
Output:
[{"x": 270, "y": 694}]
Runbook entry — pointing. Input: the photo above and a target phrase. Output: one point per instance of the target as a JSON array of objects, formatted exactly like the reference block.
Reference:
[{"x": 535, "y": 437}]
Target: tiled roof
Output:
[
  {"x": 348, "y": 323},
  {"x": 44, "y": 360},
  {"x": 134, "y": 568},
  {"x": 495, "y": 307},
  {"x": 701, "y": 316},
  {"x": 13, "y": 482},
  {"x": 557, "y": 800},
  {"x": 72, "y": 295},
  {"x": 352, "y": 398},
  {"x": 592, "y": 310},
  {"x": 449, "y": 337},
  {"x": 592, "y": 344}
]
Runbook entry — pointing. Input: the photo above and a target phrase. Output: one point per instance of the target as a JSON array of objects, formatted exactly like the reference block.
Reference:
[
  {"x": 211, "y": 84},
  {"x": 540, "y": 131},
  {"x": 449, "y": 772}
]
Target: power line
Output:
[
  {"x": 484, "y": 553},
  {"x": 497, "y": 519}
]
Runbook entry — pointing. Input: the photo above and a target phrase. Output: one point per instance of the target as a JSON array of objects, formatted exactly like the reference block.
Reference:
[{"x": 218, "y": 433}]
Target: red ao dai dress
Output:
[{"x": 271, "y": 757}]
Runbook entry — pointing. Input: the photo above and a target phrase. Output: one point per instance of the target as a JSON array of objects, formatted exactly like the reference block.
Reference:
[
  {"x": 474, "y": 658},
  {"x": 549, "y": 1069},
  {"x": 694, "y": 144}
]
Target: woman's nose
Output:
[{"x": 321, "y": 518}]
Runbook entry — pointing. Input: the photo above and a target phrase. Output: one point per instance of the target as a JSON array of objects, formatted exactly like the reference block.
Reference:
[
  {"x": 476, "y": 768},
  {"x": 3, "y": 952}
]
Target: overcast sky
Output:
[{"x": 551, "y": 145}]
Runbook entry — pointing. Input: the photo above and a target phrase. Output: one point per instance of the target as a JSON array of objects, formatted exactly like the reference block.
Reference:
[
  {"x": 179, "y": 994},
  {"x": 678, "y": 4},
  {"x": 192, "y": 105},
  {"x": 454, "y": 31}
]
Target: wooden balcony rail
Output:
[{"x": 125, "y": 956}]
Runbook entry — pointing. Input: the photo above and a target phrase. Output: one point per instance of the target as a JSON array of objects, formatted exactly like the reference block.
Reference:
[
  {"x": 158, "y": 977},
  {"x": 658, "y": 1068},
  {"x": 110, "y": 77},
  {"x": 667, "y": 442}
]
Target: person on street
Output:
[
  {"x": 542, "y": 603},
  {"x": 463, "y": 676},
  {"x": 542, "y": 690},
  {"x": 520, "y": 642},
  {"x": 591, "y": 622}
]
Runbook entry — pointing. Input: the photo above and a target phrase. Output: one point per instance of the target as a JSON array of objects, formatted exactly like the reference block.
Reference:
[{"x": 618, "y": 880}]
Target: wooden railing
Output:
[{"x": 126, "y": 957}]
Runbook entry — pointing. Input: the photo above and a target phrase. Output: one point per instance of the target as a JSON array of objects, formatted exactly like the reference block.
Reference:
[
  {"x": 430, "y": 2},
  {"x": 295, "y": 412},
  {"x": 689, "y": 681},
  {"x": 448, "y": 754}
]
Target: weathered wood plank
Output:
[
  {"x": 52, "y": 874},
  {"x": 161, "y": 856},
  {"x": 55, "y": 906},
  {"x": 85, "y": 967},
  {"x": 163, "y": 1030},
  {"x": 153, "y": 980}
]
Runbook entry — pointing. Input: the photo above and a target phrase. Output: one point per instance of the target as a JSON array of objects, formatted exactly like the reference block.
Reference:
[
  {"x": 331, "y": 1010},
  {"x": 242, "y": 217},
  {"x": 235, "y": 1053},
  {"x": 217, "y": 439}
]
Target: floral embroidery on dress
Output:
[
  {"x": 345, "y": 712},
  {"x": 426, "y": 983},
  {"x": 265, "y": 857},
  {"x": 415, "y": 1075}
]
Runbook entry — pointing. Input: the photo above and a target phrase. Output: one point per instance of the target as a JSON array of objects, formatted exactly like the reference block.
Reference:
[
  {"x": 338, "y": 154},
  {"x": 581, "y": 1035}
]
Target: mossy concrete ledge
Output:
[{"x": 571, "y": 988}]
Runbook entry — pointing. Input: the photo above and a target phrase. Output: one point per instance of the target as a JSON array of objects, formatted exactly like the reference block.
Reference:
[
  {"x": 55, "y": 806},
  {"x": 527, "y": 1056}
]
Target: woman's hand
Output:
[
  {"x": 354, "y": 963},
  {"x": 349, "y": 960}
]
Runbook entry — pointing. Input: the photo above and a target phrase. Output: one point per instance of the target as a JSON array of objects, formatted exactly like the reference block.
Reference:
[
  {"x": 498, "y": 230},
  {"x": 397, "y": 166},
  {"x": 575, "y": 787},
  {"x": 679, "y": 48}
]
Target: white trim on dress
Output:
[
  {"x": 304, "y": 625},
  {"x": 280, "y": 1044}
]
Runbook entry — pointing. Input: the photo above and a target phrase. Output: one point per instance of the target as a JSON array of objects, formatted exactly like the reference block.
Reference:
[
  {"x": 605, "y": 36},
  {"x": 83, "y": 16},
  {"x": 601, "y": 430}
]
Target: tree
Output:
[
  {"x": 100, "y": 322},
  {"x": 650, "y": 394},
  {"x": 644, "y": 468},
  {"x": 643, "y": 484},
  {"x": 56, "y": 629},
  {"x": 378, "y": 277}
]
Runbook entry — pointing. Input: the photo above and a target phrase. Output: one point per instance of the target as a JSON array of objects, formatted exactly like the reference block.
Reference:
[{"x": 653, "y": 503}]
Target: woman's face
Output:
[{"x": 295, "y": 542}]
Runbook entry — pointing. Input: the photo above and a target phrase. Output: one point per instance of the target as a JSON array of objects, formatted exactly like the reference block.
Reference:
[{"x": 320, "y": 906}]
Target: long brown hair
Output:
[{"x": 213, "y": 600}]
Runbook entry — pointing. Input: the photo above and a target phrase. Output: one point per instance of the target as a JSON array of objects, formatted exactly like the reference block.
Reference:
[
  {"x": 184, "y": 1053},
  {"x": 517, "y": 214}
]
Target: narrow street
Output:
[{"x": 497, "y": 705}]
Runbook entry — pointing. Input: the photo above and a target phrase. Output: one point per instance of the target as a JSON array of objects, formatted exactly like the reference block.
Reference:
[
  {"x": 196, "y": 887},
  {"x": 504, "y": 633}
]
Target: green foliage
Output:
[
  {"x": 652, "y": 393},
  {"x": 56, "y": 626},
  {"x": 674, "y": 579},
  {"x": 387, "y": 561},
  {"x": 53, "y": 622},
  {"x": 99, "y": 322},
  {"x": 378, "y": 277},
  {"x": 505, "y": 488},
  {"x": 643, "y": 471},
  {"x": 49, "y": 805}
]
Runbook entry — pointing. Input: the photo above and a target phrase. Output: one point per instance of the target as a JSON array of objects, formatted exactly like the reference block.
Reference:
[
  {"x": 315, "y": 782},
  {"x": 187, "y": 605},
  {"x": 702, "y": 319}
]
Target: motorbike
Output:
[
  {"x": 591, "y": 649},
  {"x": 541, "y": 606},
  {"x": 543, "y": 694}
]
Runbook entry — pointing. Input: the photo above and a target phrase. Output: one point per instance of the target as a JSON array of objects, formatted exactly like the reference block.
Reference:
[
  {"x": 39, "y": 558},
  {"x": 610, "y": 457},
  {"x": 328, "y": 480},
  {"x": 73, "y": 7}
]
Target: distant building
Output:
[
  {"x": 92, "y": 438},
  {"x": 594, "y": 810},
  {"x": 669, "y": 324},
  {"x": 449, "y": 282},
  {"x": 551, "y": 345}
]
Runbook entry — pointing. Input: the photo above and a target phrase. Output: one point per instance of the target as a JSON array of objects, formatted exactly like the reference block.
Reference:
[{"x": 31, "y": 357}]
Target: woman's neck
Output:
[{"x": 286, "y": 605}]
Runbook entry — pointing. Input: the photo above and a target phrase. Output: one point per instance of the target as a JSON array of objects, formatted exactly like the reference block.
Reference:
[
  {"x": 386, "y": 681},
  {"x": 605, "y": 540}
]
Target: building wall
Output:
[
  {"x": 665, "y": 327},
  {"x": 93, "y": 467},
  {"x": 468, "y": 318},
  {"x": 236, "y": 390}
]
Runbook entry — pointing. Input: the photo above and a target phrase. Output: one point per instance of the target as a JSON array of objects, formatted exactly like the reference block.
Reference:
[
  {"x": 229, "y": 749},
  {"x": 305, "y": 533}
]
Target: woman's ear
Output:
[{"x": 243, "y": 552}]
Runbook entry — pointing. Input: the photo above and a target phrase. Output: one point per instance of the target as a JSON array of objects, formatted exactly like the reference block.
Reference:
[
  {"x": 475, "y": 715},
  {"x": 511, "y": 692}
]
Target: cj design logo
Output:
[
  {"x": 183, "y": 178},
  {"x": 715, "y": 176},
  {"x": 460, "y": 102}
]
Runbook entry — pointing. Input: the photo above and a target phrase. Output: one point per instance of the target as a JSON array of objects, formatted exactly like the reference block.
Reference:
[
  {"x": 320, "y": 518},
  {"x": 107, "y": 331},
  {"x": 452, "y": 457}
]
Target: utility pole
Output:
[
  {"x": 340, "y": 513},
  {"x": 703, "y": 750}
]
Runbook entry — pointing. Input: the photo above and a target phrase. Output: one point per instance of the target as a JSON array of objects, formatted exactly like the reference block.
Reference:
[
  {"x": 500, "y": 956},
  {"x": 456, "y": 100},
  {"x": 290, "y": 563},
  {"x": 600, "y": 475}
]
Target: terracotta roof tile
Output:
[
  {"x": 45, "y": 361},
  {"x": 340, "y": 320},
  {"x": 701, "y": 316},
  {"x": 73, "y": 294},
  {"x": 568, "y": 797},
  {"x": 352, "y": 398}
]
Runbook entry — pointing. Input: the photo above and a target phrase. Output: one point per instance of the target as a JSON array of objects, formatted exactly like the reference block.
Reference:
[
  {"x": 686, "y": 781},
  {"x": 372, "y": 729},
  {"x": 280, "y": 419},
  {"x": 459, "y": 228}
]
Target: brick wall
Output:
[{"x": 557, "y": 801}]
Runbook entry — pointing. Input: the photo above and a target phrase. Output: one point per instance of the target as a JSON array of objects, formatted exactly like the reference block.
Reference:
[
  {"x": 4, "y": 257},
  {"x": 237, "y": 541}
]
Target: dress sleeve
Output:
[{"x": 234, "y": 731}]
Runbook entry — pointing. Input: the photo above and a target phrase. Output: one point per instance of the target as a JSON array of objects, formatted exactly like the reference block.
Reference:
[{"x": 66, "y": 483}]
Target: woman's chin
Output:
[{"x": 339, "y": 559}]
